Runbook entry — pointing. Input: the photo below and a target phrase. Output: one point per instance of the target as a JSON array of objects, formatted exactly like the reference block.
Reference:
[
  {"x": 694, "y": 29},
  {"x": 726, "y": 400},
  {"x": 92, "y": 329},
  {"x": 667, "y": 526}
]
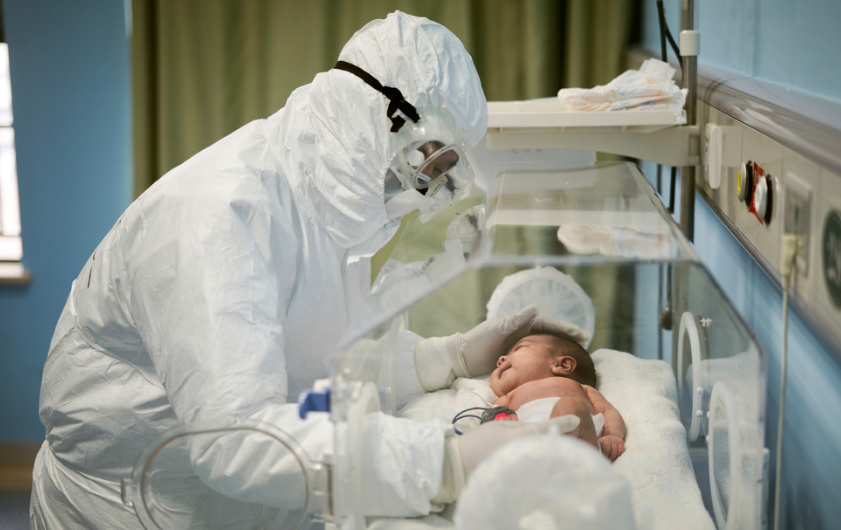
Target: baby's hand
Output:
[{"x": 612, "y": 446}]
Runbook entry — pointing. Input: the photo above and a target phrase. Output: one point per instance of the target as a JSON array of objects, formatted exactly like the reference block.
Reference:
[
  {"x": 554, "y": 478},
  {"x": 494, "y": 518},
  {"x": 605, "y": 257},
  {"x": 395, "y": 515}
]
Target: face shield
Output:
[
  {"x": 429, "y": 157},
  {"x": 436, "y": 170},
  {"x": 431, "y": 160}
]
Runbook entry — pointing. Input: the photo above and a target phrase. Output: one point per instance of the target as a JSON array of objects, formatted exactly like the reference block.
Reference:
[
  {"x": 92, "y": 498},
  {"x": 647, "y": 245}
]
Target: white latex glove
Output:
[
  {"x": 463, "y": 454},
  {"x": 561, "y": 328},
  {"x": 439, "y": 360}
]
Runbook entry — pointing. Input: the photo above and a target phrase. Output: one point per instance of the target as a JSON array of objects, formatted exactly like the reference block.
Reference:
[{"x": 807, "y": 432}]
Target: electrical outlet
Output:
[
  {"x": 797, "y": 218},
  {"x": 713, "y": 154}
]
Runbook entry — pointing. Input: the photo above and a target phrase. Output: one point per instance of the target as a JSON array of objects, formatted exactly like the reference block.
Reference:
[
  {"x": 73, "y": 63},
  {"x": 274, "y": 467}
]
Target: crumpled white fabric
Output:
[
  {"x": 652, "y": 87},
  {"x": 223, "y": 290},
  {"x": 557, "y": 295},
  {"x": 617, "y": 241},
  {"x": 539, "y": 410},
  {"x": 545, "y": 482}
]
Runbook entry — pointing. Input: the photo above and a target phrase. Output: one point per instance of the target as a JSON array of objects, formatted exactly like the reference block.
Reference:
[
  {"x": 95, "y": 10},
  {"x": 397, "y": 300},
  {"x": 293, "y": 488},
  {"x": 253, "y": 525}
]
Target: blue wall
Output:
[
  {"x": 791, "y": 43},
  {"x": 794, "y": 45},
  {"x": 70, "y": 82},
  {"x": 71, "y": 101},
  {"x": 811, "y": 484}
]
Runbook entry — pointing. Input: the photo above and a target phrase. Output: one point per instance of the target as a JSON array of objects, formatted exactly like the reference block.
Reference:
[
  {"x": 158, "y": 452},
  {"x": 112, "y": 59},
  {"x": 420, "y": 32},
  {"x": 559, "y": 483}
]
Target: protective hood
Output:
[{"x": 334, "y": 134}]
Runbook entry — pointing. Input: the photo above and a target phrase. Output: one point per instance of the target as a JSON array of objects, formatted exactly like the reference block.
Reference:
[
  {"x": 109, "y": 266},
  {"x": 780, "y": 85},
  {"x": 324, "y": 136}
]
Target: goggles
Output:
[
  {"x": 429, "y": 158},
  {"x": 437, "y": 170}
]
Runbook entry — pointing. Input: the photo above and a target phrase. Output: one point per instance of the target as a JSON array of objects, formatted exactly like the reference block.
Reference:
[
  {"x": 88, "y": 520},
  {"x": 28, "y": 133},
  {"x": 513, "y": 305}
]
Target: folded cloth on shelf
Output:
[
  {"x": 652, "y": 87},
  {"x": 609, "y": 240}
]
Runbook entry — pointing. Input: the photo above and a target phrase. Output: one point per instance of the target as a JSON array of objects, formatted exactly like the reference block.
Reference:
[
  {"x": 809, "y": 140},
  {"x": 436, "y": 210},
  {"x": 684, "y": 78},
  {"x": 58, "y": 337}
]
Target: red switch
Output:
[{"x": 762, "y": 198}]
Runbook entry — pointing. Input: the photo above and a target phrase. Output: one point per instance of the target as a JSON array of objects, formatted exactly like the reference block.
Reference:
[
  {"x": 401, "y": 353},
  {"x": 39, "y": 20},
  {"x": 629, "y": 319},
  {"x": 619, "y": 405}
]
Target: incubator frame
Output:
[
  {"x": 729, "y": 332},
  {"x": 364, "y": 380},
  {"x": 138, "y": 491},
  {"x": 700, "y": 395}
]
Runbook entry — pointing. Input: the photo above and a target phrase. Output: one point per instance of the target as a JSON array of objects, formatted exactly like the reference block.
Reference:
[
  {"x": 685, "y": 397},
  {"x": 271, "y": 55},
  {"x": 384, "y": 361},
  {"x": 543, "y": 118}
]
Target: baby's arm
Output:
[
  {"x": 579, "y": 406},
  {"x": 612, "y": 440}
]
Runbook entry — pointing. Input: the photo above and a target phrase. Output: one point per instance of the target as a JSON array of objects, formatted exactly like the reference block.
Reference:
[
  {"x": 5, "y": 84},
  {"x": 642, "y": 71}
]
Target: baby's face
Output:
[{"x": 529, "y": 359}]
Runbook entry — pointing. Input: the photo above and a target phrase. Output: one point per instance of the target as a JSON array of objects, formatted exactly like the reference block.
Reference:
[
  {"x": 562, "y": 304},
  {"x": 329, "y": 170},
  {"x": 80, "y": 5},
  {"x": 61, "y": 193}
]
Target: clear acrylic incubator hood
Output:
[{"x": 591, "y": 245}]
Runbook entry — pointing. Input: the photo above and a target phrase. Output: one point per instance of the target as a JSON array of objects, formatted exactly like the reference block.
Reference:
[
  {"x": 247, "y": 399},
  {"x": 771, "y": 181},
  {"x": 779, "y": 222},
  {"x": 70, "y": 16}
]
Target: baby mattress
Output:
[{"x": 656, "y": 461}]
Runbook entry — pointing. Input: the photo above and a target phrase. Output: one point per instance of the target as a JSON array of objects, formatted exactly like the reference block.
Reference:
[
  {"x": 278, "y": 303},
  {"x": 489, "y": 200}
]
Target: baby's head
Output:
[{"x": 541, "y": 356}]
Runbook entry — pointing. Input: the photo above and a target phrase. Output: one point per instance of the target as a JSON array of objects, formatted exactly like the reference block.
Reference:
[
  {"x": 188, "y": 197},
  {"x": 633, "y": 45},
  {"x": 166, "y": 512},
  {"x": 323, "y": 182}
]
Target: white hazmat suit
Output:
[{"x": 222, "y": 290}]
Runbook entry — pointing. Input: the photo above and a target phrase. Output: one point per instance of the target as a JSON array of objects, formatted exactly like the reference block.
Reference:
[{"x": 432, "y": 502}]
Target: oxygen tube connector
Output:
[{"x": 789, "y": 255}]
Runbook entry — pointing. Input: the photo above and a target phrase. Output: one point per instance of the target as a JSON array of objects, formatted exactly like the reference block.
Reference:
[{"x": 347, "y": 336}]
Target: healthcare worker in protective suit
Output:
[{"x": 221, "y": 292}]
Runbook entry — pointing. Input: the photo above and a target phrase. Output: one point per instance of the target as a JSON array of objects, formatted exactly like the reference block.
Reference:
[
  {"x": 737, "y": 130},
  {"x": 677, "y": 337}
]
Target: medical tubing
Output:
[
  {"x": 664, "y": 30},
  {"x": 662, "y": 22},
  {"x": 659, "y": 179},
  {"x": 672, "y": 190},
  {"x": 395, "y": 97},
  {"x": 779, "y": 458},
  {"x": 664, "y": 33},
  {"x": 789, "y": 257},
  {"x": 672, "y": 42},
  {"x": 661, "y": 19},
  {"x": 461, "y": 415}
]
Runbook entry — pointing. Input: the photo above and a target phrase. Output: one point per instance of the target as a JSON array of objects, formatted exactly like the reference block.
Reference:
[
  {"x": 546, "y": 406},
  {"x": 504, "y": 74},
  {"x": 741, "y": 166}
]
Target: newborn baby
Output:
[{"x": 543, "y": 377}]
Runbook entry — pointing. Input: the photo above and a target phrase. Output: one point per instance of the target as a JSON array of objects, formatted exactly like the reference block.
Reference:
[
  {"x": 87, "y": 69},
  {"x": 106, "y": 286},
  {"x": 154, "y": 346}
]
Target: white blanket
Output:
[{"x": 656, "y": 460}]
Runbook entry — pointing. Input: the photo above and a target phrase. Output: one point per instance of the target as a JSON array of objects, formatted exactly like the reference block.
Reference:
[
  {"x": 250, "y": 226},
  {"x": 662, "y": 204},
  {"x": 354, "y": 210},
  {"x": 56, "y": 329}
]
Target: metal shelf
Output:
[{"x": 649, "y": 135}]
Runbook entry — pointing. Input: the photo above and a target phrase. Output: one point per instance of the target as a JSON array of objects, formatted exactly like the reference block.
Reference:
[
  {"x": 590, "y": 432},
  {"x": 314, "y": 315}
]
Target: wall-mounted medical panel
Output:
[
  {"x": 795, "y": 196},
  {"x": 826, "y": 251}
]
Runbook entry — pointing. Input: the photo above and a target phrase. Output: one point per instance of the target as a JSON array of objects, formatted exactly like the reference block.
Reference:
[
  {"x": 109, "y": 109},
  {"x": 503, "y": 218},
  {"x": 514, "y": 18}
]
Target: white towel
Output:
[
  {"x": 445, "y": 404},
  {"x": 656, "y": 460},
  {"x": 650, "y": 88}
]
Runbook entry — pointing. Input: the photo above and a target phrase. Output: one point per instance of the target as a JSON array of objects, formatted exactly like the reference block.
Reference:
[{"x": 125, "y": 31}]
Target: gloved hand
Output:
[
  {"x": 560, "y": 328},
  {"x": 463, "y": 454},
  {"x": 439, "y": 360}
]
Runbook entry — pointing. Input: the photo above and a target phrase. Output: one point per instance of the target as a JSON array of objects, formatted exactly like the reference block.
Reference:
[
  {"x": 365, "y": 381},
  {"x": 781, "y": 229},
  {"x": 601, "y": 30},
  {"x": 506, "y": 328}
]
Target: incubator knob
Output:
[
  {"x": 744, "y": 182},
  {"x": 765, "y": 212},
  {"x": 763, "y": 199}
]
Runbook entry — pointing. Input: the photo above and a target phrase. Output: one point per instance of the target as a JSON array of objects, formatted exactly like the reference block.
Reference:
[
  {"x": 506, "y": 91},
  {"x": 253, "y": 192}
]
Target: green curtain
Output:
[
  {"x": 203, "y": 68},
  {"x": 598, "y": 35}
]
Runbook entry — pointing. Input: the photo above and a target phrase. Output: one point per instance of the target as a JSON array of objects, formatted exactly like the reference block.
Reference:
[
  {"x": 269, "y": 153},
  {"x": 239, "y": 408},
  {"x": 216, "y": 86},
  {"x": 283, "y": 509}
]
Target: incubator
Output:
[{"x": 591, "y": 245}]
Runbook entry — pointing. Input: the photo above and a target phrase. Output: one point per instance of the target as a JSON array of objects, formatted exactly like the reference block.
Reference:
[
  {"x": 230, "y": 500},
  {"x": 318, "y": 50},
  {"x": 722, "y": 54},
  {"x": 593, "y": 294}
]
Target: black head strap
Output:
[{"x": 395, "y": 97}]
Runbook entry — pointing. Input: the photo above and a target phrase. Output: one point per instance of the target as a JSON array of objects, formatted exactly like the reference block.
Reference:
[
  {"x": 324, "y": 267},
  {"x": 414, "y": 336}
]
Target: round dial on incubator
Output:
[
  {"x": 765, "y": 199},
  {"x": 744, "y": 184},
  {"x": 740, "y": 181},
  {"x": 735, "y": 463},
  {"x": 760, "y": 198},
  {"x": 692, "y": 379}
]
